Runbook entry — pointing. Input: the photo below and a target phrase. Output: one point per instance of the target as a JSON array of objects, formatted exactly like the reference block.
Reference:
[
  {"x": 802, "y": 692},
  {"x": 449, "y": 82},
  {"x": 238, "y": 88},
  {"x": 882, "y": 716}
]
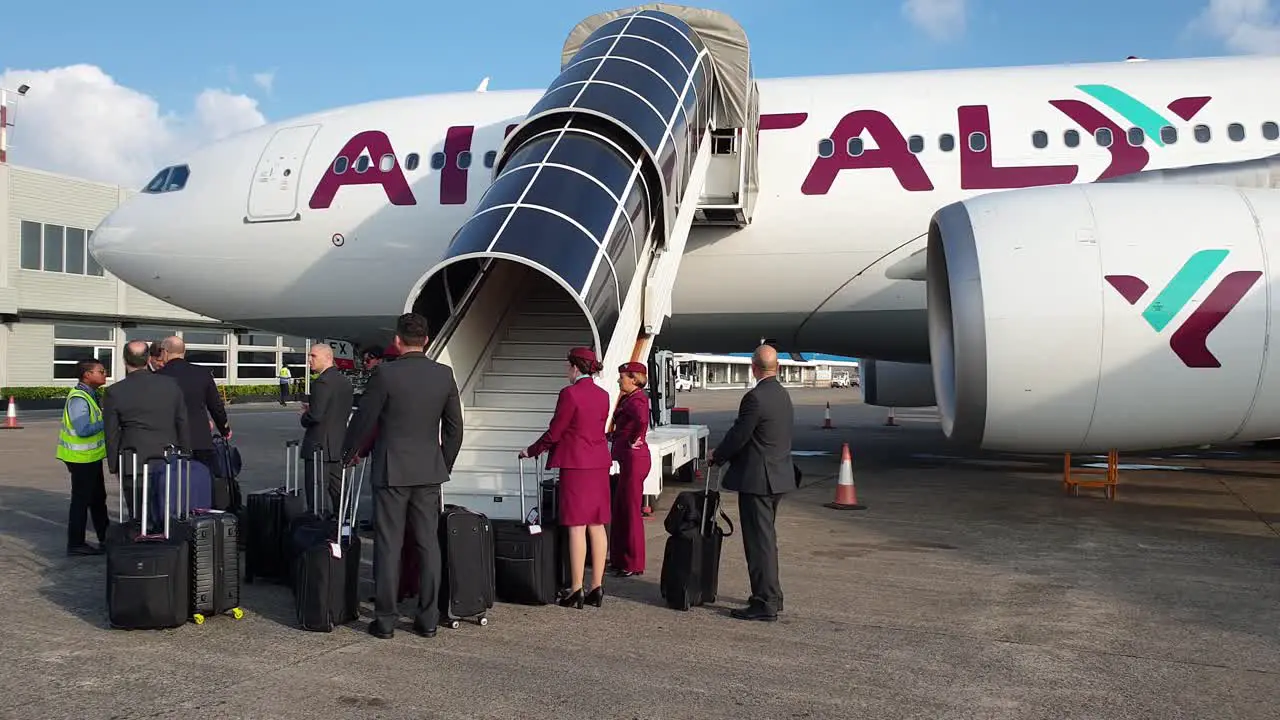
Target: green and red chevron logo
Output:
[{"x": 1189, "y": 341}]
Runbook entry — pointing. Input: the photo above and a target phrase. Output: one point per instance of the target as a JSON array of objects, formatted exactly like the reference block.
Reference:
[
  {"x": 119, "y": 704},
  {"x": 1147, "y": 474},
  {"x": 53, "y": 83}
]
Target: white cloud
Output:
[
  {"x": 265, "y": 80},
  {"x": 1243, "y": 26},
  {"x": 940, "y": 19},
  {"x": 79, "y": 121}
]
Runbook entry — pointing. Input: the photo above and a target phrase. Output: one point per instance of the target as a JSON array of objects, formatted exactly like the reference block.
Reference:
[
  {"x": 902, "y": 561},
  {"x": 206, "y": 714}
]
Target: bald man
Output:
[
  {"x": 758, "y": 451},
  {"x": 200, "y": 393},
  {"x": 325, "y": 418}
]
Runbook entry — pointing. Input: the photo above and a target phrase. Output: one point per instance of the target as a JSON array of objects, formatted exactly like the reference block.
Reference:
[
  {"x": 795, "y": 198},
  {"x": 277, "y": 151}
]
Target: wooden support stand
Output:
[{"x": 1071, "y": 482}]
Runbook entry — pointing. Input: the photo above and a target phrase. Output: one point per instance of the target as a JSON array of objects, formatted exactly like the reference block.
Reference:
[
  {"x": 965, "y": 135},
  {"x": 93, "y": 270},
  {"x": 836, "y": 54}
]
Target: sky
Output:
[{"x": 117, "y": 94}]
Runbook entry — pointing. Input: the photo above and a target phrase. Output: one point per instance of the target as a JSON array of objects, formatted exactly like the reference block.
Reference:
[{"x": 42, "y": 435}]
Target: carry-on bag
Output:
[
  {"x": 148, "y": 575},
  {"x": 226, "y": 493},
  {"x": 193, "y": 486},
  {"x": 466, "y": 554},
  {"x": 327, "y": 565},
  {"x": 525, "y": 559},
  {"x": 691, "y": 558},
  {"x": 215, "y": 556},
  {"x": 267, "y": 516}
]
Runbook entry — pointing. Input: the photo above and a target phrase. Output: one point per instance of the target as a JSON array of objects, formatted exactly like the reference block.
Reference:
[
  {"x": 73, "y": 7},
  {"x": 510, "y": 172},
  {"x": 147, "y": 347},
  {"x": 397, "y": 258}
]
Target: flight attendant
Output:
[
  {"x": 630, "y": 425},
  {"x": 576, "y": 443}
]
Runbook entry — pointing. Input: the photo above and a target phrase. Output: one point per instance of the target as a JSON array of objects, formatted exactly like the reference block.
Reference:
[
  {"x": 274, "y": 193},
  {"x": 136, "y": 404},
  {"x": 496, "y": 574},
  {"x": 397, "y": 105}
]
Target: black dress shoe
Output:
[
  {"x": 755, "y": 611},
  {"x": 83, "y": 550},
  {"x": 626, "y": 573},
  {"x": 379, "y": 633},
  {"x": 424, "y": 631},
  {"x": 573, "y": 600},
  {"x": 596, "y": 597}
]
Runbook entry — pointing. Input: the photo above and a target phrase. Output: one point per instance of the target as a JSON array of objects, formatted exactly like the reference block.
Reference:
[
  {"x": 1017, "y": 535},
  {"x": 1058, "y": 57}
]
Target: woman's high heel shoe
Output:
[
  {"x": 573, "y": 600},
  {"x": 596, "y": 596}
]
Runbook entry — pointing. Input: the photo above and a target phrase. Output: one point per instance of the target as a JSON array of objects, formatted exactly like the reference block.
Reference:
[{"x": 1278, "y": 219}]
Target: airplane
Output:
[{"x": 1061, "y": 258}]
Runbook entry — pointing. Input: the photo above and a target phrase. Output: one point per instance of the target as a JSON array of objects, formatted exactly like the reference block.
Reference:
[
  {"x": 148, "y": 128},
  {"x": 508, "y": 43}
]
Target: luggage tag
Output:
[
  {"x": 335, "y": 549},
  {"x": 532, "y": 519}
]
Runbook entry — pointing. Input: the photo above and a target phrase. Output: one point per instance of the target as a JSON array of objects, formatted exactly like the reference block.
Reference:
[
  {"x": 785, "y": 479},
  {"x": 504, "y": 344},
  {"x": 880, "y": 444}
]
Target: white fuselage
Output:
[{"x": 809, "y": 271}]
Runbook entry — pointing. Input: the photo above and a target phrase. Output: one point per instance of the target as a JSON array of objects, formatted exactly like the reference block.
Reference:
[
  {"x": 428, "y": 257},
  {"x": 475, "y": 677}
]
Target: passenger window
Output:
[
  {"x": 977, "y": 142},
  {"x": 1169, "y": 134},
  {"x": 386, "y": 162},
  {"x": 855, "y": 147},
  {"x": 490, "y": 158},
  {"x": 362, "y": 164},
  {"x": 1202, "y": 133},
  {"x": 411, "y": 162},
  {"x": 915, "y": 144},
  {"x": 464, "y": 160},
  {"x": 1071, "y": 138},
  {"x": 1270, "y": 130},
  {"x": 177, "y": 178},
  {"x": 340, "y": 164},
  {"x": 1235, "y": 131},
  {"x": 157, "y": 183},
  {"x": 1103, "y": 136},
  {"x": 826, "y": 148},
  {"x": 946, "y": 142},
  {"x": 1136, "y": 136},
  {"x": 1040, "y": 139}
]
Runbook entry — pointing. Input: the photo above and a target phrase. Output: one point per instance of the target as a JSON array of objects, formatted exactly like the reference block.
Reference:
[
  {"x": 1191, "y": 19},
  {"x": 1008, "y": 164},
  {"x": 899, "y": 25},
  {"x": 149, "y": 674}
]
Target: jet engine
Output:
[{"x": 1088, "y": 317}]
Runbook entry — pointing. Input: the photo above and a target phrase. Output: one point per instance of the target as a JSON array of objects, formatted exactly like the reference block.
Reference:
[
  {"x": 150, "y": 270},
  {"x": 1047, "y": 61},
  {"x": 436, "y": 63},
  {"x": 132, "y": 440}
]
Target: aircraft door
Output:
[{"x": 273, "y": 195}]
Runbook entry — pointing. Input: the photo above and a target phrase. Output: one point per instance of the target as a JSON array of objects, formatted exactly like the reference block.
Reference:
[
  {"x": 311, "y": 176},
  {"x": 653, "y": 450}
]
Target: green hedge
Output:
[{"x": 58, "y": 393}]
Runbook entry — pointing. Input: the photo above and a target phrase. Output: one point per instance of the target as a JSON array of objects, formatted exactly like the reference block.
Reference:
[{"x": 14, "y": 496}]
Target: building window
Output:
[
  {"x": 258, "y": 340},
  {"x": 56, "y": 248},
  {"x": 256, "y": 364},
  {"x": 202, "y": 337},
  {"x": 1040, "y": 139},
  {"x": 214, "y": 360},
  {"x": 148, "y": 333},
  {"x": 73, "y": 343},
  {"x": 296, "y": 362},
  {"x": 99, "y": 333},
  {"x": 1071, "y": 138},
  {"x": 1169, "y": 134},
  {"x": 1235, "y": 131}
]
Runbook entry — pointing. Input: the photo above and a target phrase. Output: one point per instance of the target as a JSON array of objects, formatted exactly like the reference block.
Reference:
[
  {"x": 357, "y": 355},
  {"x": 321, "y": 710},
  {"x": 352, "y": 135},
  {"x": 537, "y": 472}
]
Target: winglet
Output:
[{"x": 483, "y": 86}]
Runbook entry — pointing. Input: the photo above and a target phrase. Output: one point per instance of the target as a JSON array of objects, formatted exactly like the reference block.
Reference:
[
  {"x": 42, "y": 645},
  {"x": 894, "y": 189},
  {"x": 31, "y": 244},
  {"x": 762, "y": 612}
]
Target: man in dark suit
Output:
[
  {"x": 325, "y": 420},
  {"x": 413, "y": 405},
  {"x": 201, "y": 395},
  {"x": 144, "y": 411},
  {"x": 758, "y": 451}
]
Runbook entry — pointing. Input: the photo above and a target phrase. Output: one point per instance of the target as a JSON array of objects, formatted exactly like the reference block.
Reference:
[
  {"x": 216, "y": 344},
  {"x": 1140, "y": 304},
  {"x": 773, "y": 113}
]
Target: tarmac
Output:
[{"x": 970, "y": 587}]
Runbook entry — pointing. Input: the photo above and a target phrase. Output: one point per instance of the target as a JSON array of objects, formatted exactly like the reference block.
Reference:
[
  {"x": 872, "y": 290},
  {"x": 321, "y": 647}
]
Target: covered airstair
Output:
[{"x": 648, "y": 131}]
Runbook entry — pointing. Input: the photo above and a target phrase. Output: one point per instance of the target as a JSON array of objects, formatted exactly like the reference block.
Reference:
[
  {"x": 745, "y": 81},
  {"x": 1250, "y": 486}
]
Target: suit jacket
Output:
[
  {"x": 326, "y": 417},
  {"x": 576, "y": 436},
  {"x": 144, "y": 411},
  {"x": 203, "y": 401},
  {"x": 413, "y": 405},
  {"x": 630, "y": 423},
  {"x": 758, "y": 446}
]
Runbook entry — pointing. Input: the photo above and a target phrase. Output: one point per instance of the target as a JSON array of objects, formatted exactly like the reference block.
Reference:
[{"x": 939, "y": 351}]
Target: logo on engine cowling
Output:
[{"x": 1188, "y": 342}]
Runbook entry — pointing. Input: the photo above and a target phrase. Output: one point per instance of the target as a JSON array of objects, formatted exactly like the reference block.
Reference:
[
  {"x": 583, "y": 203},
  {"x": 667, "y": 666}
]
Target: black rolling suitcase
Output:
[
  {"x": 215, "y": 554},
  {"x": 691, "y": 558},
  {"x": 227, "y": 495},
  {"x": 267, "y": 515},
  {"x": 467, "y": 557},
  {"x": 326, "y": 576},
  {"x": 525, "y": 560},
  {"x": 148, "y": 575}
]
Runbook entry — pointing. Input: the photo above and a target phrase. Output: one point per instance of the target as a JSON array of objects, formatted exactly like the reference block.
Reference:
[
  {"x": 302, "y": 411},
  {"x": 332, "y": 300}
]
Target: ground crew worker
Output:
[
  {"x": 285, "y": 378},
  {"x": 82, "y": 445}
]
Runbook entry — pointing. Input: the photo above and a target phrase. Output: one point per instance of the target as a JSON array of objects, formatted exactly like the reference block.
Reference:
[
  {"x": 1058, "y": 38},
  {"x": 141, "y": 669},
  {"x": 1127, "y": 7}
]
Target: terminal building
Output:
[
  {"x": 733, "y": 371},
  {"x": 57, "y": 306}
]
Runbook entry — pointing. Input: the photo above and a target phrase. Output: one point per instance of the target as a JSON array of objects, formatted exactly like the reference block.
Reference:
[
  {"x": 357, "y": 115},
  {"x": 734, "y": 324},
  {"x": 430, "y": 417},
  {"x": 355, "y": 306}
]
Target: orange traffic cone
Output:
[
  {"x": 826, "y": 423},
  {"x": 846, "y": 492},
  {"x": 890, "y": 421},
  {"x": 11, "y": 420}
]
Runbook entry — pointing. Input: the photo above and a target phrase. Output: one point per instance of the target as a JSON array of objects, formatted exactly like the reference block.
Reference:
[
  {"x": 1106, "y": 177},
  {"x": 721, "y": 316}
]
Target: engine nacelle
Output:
[
  {"x": 895, "y": 384},
  {"x": 1088, "y": 317}
]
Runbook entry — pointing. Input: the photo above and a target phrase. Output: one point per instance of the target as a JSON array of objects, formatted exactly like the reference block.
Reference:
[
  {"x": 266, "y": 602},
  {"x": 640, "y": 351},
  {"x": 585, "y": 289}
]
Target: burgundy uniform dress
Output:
[
  {"x": 577, "y": 444},
  {"x": 630, "y": 425}
]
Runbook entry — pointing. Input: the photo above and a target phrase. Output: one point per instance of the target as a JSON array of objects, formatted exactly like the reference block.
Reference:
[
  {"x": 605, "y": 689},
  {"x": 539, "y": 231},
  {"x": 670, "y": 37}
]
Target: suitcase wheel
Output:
[
  {"x": 483, "y": 621},
  {"x": 197, "y": 619},
  {"x": 451, "y": 623},
  {"x": 237, "y": 613}
]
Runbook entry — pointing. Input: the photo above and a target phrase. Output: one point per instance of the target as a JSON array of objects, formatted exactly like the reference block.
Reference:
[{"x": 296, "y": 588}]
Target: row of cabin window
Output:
[
  {"x": 1071, "y": 138},
  {"x": 411, "y": 162}
]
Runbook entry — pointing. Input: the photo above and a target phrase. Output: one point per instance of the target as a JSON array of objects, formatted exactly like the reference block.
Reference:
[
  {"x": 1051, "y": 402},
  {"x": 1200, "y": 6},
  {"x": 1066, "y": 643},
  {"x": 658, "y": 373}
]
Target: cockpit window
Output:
[{"x": 170, "y": 179}]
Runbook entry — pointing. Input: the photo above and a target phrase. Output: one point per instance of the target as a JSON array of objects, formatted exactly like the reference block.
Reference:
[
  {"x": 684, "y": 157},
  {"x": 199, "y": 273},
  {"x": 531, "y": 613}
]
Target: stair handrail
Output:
[{"x": 450, "y": 326}]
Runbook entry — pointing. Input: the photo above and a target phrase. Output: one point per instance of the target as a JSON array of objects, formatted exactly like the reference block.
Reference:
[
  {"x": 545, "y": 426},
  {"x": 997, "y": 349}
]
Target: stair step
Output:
[
  {"x": 572, "y": 336},
  {"x": 482, "y": 417},
  {"x": 508, "y": 437},
  {"x": 550, "y": 305},
  {"x": 550, "y": 320},
  {"x": 494, "y": 457},
  {"x": 516, "y": 399},
  {"x": 518, "y": 365},
  {"x": 523, "y": 381},
  {"x": 533, "y": 350}
]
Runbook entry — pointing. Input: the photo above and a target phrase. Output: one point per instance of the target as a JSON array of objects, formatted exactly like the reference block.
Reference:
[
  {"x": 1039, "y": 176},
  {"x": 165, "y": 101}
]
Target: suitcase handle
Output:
[
  {"x": 525, "y": 515},
  {"x": 133, "y": 453},
  {"x": 292, "y": 466}
]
